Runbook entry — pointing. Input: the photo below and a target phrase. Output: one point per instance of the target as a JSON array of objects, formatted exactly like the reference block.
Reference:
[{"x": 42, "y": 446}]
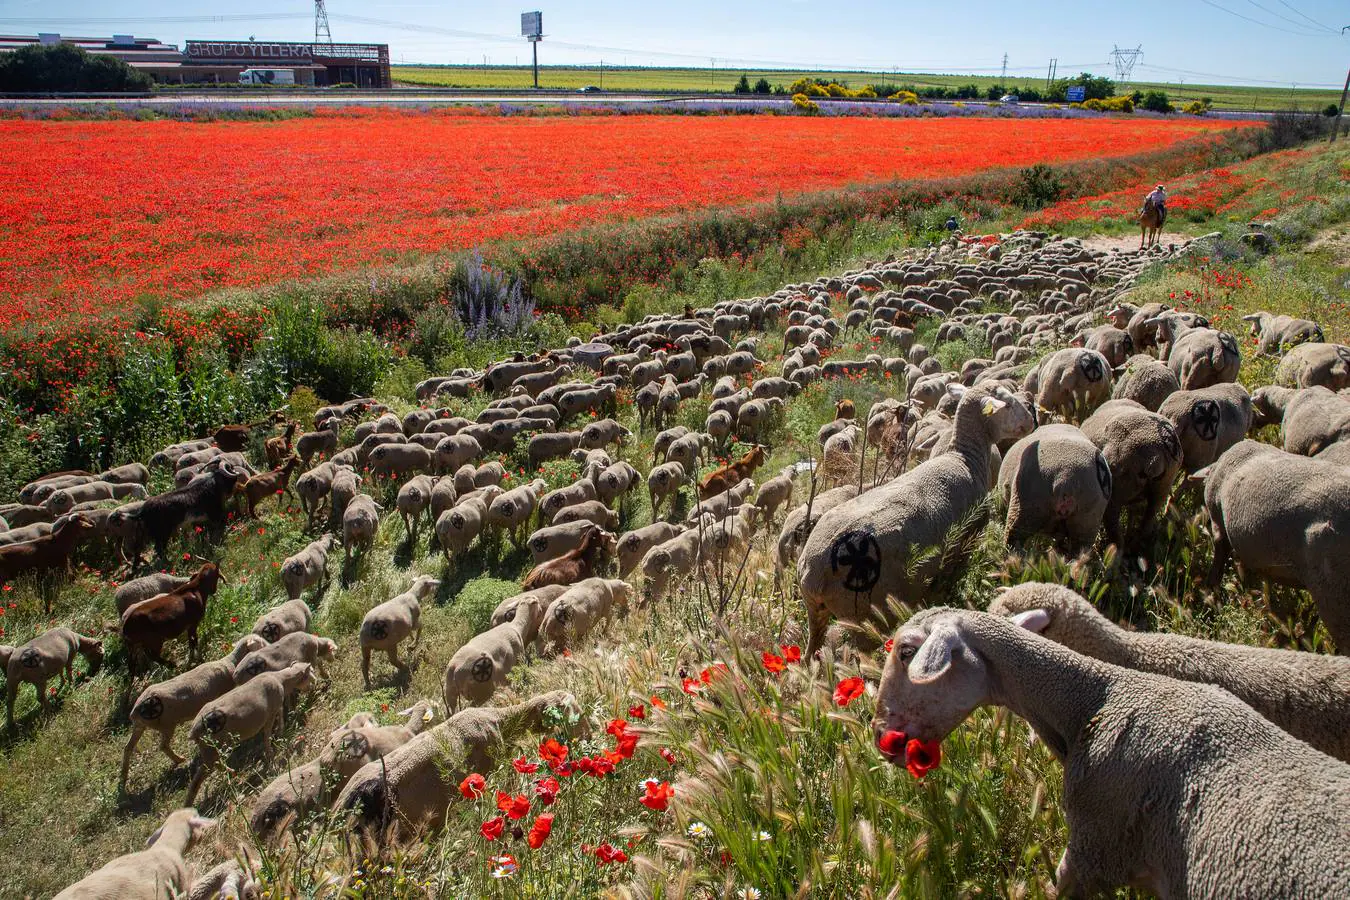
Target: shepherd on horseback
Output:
[{"x": 1152, "y": 217}]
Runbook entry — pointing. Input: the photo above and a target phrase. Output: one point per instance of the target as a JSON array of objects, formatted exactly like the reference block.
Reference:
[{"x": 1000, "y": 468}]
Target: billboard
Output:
[
  {"x": 532, "y": 24},
  {"x": 260, "y": 50},
  {"x": 1077, "y": 94}
]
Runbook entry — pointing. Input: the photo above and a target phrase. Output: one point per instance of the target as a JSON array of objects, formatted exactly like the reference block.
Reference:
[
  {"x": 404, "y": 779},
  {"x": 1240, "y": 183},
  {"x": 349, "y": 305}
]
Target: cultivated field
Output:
[{"x": 696, "y": 80}]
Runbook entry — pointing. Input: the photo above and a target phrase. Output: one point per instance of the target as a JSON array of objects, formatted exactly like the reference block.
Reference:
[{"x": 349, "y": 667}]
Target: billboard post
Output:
[{"x": 532, "y": 29}]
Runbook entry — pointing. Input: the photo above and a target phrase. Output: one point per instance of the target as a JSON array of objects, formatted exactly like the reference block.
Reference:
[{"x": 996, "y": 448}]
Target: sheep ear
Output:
[
  {"x": 1254, "y": 317},
  {"x": 150, "y": 841},
  {"x": 935, "y": 656},
  {"x": 200, "y": 824},
  {"x": 1199, "y": 475},
  {"x": 956, "y": 389},
  {"x": 1033, "y": 620},
  {"x": 992, "y": 405}
]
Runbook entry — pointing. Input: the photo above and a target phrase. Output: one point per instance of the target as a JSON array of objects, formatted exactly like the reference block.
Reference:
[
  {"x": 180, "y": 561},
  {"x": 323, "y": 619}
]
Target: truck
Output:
[{"x": 267, "y": 76}]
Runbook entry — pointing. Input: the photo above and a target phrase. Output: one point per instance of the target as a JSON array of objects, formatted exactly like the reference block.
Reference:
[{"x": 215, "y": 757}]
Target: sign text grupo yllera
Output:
[{"x": 247, "y": 50}]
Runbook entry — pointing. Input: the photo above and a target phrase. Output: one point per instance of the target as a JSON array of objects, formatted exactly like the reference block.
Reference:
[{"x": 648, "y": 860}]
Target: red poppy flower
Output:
[
  {"x": 921, "y": 756},
  {"x": 668, "y": 755},
  {"x": 524, "y": 766},
  {"x": 553, "y": 753},
  {"x": 546, "y": 789},
  {"x": 848, "y": 690},
  {"x": 791, "y": 652},
  {"x": 690, "y": 686},
  {"x": 892, "y": 743},
  {"x": 616, "y": 727},
  {"x": 637, "y": 711},
  {"x": 658, "y": 795},
  {"x": 540, "y": 830},
  {"x": 627, "y": 744},
  {"x": 890, "y": 644},
  {"x": 492, "y": 828},
  {"x": 656, "y": 701},
  {"x": 773, "y": 662},
  {"x": 517, "y": 807},
  {"x": 600, "y": 766},
  {"x": 713, "y": 671},
  {"x": 473, "y": 786},
  {"x": 606, "y": 853}
]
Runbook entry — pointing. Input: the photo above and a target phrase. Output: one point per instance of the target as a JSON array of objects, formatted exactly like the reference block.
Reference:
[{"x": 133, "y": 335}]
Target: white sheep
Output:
[
  {"x": 389, "y": 623},
  {"x": 458, "y": 526},
  {"x": 633, "y": 545},
  {"x": 506, "y": 610},
  {"x": 776, "y": 492},
  {"x": 283, "y": 619},
  {"x": 298, "y": 646},
  {"x": 414, "y": 498},
  {"x": 307, "y": 568},
  {"x": 1056, "y": 482},
  {"x": 360, "y": 523},
  {"x": 664, "y": 481},
  {"x": 51, "y": 653},
  {"x": 513, "y": 510},
  {"x": 591, "y": 511},
  {"x": 1175, "y": 788},
  {"x": 151, "y": 874},
  {"x": 580, "y": 608},
  {"x": 481, "y": 666}
]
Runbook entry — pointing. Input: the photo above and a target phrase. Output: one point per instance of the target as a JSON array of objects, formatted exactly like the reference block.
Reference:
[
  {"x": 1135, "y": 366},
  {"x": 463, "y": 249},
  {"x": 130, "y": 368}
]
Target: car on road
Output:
[
  {"x": 588, "y": 89},
  {"x": 1008, "y": 98}
]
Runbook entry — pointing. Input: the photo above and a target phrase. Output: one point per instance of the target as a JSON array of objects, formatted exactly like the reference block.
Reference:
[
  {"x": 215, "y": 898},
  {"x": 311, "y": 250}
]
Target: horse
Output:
[{"x": 1151, "y": 219}]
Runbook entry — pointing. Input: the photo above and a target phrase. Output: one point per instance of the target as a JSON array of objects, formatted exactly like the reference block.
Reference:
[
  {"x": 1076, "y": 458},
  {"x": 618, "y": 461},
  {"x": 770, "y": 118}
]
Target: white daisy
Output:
[
  {"x": 699, "y": 830},
  {"x": 748, "y": 894},
  {"x": 763, "y": 836}
]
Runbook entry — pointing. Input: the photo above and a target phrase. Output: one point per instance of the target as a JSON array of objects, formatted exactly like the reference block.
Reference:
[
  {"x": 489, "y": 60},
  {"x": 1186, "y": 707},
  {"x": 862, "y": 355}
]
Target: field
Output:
[
  {"x": 696, "y": 80},
  {"x": 233, "y": 268}
]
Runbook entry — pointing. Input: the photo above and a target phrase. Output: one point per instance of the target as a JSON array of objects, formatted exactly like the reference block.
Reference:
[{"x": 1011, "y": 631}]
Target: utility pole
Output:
[
  {"x": 1050, "y": 74},
  {"x": 1340, "y": 111},
  {"x": 1004, "y": 77}
]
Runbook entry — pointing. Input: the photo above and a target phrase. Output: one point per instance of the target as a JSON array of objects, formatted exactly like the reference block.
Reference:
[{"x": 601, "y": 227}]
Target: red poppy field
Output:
[{"x": 99, "y": 213}]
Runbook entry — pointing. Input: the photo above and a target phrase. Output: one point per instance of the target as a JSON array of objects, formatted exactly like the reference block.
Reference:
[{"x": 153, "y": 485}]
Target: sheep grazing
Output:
[
  {"x": 554, "y": 501},
  {"x": 312, "y": 488},
  {"x": 151, "y": 874},
  {"x": 144, "y": 588},
  {"x": 247, "y": 710},
  {"x": 409, "y": 790},
  {"x": 603, "y": 433},
  {"x": 414, "y": 498},
  {"x": 614, "y": 481},
  {"x": 1146, "y": 381},
  {"x": 50, "y": 653},
  {"x": 1144, "y": 455},
  {"x": 1313, "y": 419},
  {"x": 283, "y": 619},
  {"x": 1208, "y": 421},
  {"x": 457, "y": 527},
  {"x": 576, "y": 612},
  {"x": 307, "y": 568},
  {"x": 776, "y": 492},
  {"x": 664, "y": 481},
  {"x": 353, "y": 746},
  {"x": 1056, "y": 482},
  {"x": 590, "y": 511},
  {"x": 1306, "y": 694},
  {"x": 164, "y": 706},
  {"x": 634, "y": 545},
  {"x": 395, "y": 460},
  {"x": 298, "y": 646},
  {"x": 203, "y": 500},
  {"x": 1071, "y": 382},
  {"x": 360, "y": 523},
  {"x": 1285, "y": 519},
  {"x": 586, "y": 560},
  {"x": 47, "y": 552},
  {"x": 1201, "y": 357},
  {"x": 860, "y": 552},
  {"x": 346, "y": 487},
  {"x": 479, "y": 668},
  {"x": 1309, "y": 365},
  {"x": 796, "y": 526},
  {"x": 727, "y": 477},
  {"x": 389, "y": 623},
  {"x": 1276, "y": 334},
  {"x": 66, "y": 499},
  {"x": 276, "y": 482},
  {"x": 1157, "y": 772},
  {"x": 148, "y": 624}
]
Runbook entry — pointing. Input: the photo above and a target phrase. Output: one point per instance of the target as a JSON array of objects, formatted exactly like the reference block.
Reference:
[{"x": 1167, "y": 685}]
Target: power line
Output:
[
  {"x": 1240, "y": 79},
  {"x": 1257, "y": 21},
  {"x": 154, "y": 20},
  {"x": 1297, "y": 12},
  {"x": 1280, "y": 16}
]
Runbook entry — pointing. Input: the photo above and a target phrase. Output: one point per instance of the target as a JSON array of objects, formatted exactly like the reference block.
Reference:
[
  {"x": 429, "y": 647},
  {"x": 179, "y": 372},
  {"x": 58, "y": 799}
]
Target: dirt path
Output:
[{"x": 1131, "y": 242}]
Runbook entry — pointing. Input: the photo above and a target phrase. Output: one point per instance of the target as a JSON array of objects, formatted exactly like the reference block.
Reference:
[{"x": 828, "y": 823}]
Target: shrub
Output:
[
  {"x": 908, "y": 98},
  {"x": 763, "y": 87},
  {"x": 865, "y": 92},
  {"x": 837, "y": 90},
  {"x": 479, "y": 597},
  {"x": 742, "y": 86},
  {"x": 1332, "y": 111},
  {"x": 65, "y": 67},
  {"x": 1196, "y": 108},
  {"x": 1037, "y": 187},
  {"x": 1156, "y": 101},
  {"x": 490, "y": 302},
  {"x": 805, "y": 104},
  {"x": 815, "y": 90}
]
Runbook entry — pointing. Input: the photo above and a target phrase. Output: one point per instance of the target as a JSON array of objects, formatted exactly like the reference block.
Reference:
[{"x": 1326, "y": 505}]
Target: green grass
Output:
[
  {"x": 706, "y": 80},
  {"x": 755, "y": 753}
]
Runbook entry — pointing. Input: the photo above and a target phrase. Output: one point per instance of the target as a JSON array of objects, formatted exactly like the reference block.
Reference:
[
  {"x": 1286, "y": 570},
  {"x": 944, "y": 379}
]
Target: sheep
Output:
[
  {"x": 247, "y": 710},
  {"x": 169, "y": 456},
  {"x": 664, "y": 481},
  {"x": 468, "y": 478},
  {"x": 260, "y": 487},
  {"x": 164, "y": 706},
  {"x": 360, "y": 522},
  {"x": 1111, "y": 342},
  {"x": 47, "y": 552},
  {"x": 1071, "y": 382},
  {"x": 553, "y": 541},
  {"x": 399, "y": 460},
  {"x": 387, "y": 624},
  {"x": 776, "y": 492},
  {"x": 50, "y": 653},
  {"x": 582, "y": 562},
  {"x": 26, "y": 533},
  {"x": 203, "y": 500},
  {"x": 1200, "y": 357},
  {"x": 551, "y": 445},
  {"x": 614, "y": 481},
  {"x": 844, "y": 569},
  {"x": 409, "y": 790},
  {"x": 1275, "y": 334},
  {"x": 1055, "y": 481},
  {"x": 724, "y": 504},
  {"x": 1144, "y": 455},
  {"x": 443, "y": 496},
  {"x": 230, "y": 880},
  {"x": 1157, "y": 772},
  {"x": 661, "y": 443},
  {"x": 322, "y": 442},
  {"x": 577, "y": 611},
  {"x": 298, "y": 646},
  {"x": 633, "y": 546},
  {"x": 414, "y": 498},
  {"x": 603, "y": 433},
  {"x": 796, "y": 526},
  {"x": 148, "y": 624},
  {"x": 358, "y": 743},
  {"x": 63, "y": 500},
  {"x": 755, "y": 416},
  {"x": 458, "y": 526},
  {"x": 307, "y": 568},
  {"x": 346, "y": 487},
  {"x": 1303, "y": 693},
  {"x": 590, "y": 511},
  {"x": 1284, "y": 518},
  {"x": 506, "y": 610},
  {"x": 554, "y": 501},
  {"x": 144, "y": 588},
  {"x": 512, "y": 510},
  {"x": 37, "y": 491},
  {"x": 151, "y": 874},
  {"x": 481, "y": 666},
  {"x": 723, "y": 479},
  {"x": 686, "y": 451},
  {"x": 1208, "y": 421},
  {"x": 1146, "y": 381},
  {"x": 1314, "y": 419},
  {"x": 312, "y": 488},
  {"x": 668, "y": 560},
  {"x": 1327, "y": 365},
  {"x": 283, "y": 619}
]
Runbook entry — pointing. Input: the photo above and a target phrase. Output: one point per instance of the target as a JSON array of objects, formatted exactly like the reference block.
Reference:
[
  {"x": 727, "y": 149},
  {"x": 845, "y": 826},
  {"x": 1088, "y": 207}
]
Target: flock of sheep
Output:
[{"x": 1073, "y": 442}]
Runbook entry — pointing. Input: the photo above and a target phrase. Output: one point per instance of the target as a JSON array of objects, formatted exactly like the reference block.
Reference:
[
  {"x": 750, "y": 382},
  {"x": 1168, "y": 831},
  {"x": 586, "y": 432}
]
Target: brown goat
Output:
[
  {"x": 727, "y": 477},
  {"x": 575, "y": 565},
  {"x": 150, "y": 623},
  {"x": 260, "y": 487},
  {"x": 278, "y": 448},
  {"x": 42, "y": 554},
  {"x": 844, "y": 409}
]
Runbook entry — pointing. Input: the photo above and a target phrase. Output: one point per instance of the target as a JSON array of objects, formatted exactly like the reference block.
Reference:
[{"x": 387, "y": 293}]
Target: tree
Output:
[
  {"x": 1095, "y": 88},
  {"x": 1156, "y": 101},
  {"x": 742, "y": 86},
  {"x": 40, "y": 68},
  {"x": 763, "y": 87}
]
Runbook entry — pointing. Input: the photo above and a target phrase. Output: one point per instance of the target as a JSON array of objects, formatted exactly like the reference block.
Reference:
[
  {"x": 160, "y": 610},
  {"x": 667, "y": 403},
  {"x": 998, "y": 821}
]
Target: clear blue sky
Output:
[{"x": 1243, "y": 41}]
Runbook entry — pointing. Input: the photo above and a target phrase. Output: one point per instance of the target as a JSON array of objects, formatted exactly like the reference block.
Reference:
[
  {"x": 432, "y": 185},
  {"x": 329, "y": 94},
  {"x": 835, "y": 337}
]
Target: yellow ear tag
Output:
[
  {"x": 426, "y": 715},
  {"x": 988, "y": 408}
]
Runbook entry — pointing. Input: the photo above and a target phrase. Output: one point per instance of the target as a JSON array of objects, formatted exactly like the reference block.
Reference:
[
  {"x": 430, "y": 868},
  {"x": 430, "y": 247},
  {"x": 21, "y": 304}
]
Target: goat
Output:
[
  {"x": 150, "y": 623},
  {"x": 202, "y": 500},
  {"x": 727, "y": 477},
  {"x": 278, "y": 448},
  {"x": 575, "y": 565},
  {"x": 260, "y": 487},
  {"x": 50, "y": 551}
]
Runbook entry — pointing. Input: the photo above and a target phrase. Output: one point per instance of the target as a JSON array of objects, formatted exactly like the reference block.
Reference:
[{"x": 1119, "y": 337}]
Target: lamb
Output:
[
  {"x": 1146, "y": 381},
  {"x": 260, "y": 487},
  {"x": 203, "y": 500},
  {"x": 1209, "y": 420},
  {"x": 1327, "y": 365},
  {"x": 457, "y": 527},
  {"x": 1116, "y": 732},
  {"x": 414, "y": 498},
  {"x": 360, "y": 523},
  {"x": 151, "y": 874},
  {"x": 1303, "y": 693},
  {"x": 298, "y": 646},
  {"x": 1275, "y": 334},
  {"x": 283, "y": 619},
  {"x": 1144, "y": 455},
  {"x": 144, "y": 588},
  {"x": 1071, "y": 382},
  {"x": 664, "y": 481},
  {"x": 633, "y": 546},
  {"x": 409, "y": 791},
  {"x": 50, "y": 653},
  {"x": 479, "y": 668},
  {"x": 276, "y": 449},
  {"x": 230, "y": 880},
  {"x": 148, "y": 624},
  {"x": 727, "y": 477},
  {"x": 164, "y": 706},
  {"x": 1055, "y": 481},
  {"x": 1284, "y": 517},
  {"x": 585, "y": 561},
  {"x": 389, "y": 623},
  {"x": 307, "y": 568},
  {"x": 576, "y": 612},
  {"x": 247, "y": 710},
  {"x": 45, "y": 553},
  {"x": 844, "y": 570}
]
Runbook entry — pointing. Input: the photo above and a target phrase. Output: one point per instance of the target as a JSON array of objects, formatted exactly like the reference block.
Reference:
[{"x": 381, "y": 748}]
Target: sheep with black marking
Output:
[
  {"x": 1071, "y": 382},
  {"x": 1277, "y": 333},
  {"x": 151, "y": 874},
  {"x": 1208, "y": 421},
  {"x": 51, "y": 653},
  {"x": 633, "y": 546},
  {"x": 796, "y": 525},
  {"x": 1055, "y": 482},
  {"x": 554, "y": 501},
  {"x": 1313, "y": 419},
  {"x": 360, "y": 524},
  {"x": 776, "y": 492},
  {"x": 389, "y": 623},
  {"x": 1144, "y": 455},
  {"x": 298, "y": 646},
  {"x": 1326, "y": 365},
  {"x": 478, "y": 669},
  {"x": 576, "y": 612},
  {"x": 283, "y": 619},
  {"x": 552, "y": 541},
  {"x": 308, "y": 568},
  {"x": 145, "y": 587},
  {"x": 1146, "y": 381}
]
